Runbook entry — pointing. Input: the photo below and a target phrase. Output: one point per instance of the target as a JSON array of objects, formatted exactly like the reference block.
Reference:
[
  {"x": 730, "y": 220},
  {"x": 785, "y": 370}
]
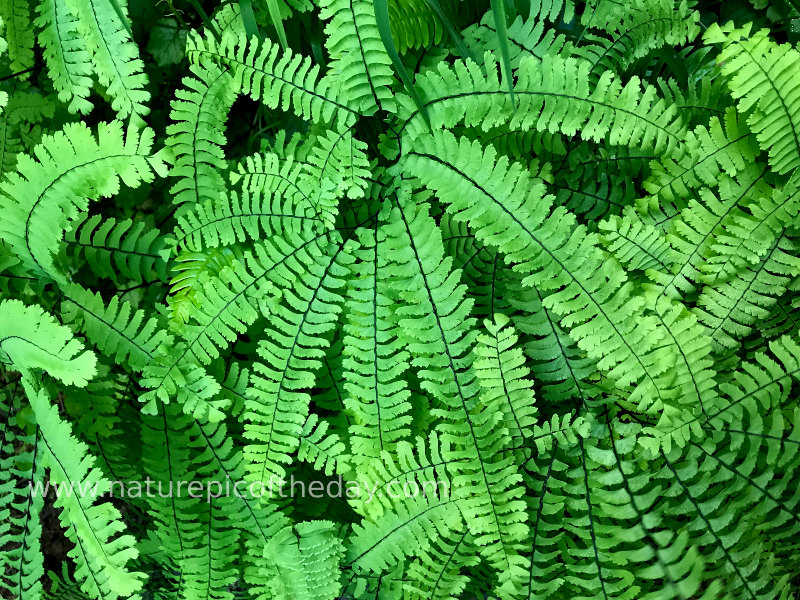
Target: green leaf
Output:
[
  {"x": 499, "y": 13},
  {"x": 385, "y": 29},
  {"x": 274, "y": 14}
]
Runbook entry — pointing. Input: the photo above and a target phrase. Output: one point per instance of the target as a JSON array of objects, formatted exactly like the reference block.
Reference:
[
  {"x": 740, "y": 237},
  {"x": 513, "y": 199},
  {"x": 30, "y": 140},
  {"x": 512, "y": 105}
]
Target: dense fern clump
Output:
[{"x": 399, "y": 299}]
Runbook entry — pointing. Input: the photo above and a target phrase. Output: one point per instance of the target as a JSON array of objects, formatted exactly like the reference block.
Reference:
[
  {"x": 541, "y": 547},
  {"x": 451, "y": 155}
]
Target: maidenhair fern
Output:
[{"x": 495, "y": 310}]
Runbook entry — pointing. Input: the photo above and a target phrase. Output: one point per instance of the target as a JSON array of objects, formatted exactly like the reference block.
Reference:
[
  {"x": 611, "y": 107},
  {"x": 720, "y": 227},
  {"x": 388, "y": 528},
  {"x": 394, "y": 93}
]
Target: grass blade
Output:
[
  {"x": 385, "y": 30},
  {"x": 277, "y": 22},
  {"x": 122, "y": 17},
  {"x": 461, "y": 47},
  {"x": 499, "y": 14},
  {"x": 249, "y": 19}
]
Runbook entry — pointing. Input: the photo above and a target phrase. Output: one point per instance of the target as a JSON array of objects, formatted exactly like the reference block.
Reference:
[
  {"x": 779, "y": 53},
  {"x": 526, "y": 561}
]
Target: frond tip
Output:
[{"x": 30, "y": 340}]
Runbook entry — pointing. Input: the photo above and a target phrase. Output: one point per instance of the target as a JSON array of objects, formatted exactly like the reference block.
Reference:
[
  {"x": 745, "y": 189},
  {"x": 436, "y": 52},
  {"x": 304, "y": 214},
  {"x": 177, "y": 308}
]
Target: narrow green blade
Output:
[
  {"x": 462, "y": 48},
  {"x": 499, "y": 14},
  {"x": 277, "y": 22},
  {"x": 385, "y": 30},
  {"x": 249, "y": 19}
]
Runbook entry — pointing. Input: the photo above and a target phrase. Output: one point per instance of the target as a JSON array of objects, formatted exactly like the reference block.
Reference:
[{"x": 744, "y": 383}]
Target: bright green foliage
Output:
[
  {"x": 360, "y": 62},
  {"x": 763, "y": 78},
  {"x": 199, "y": 111},
  {"x": 399, "y": 300},
  {"x": 67, "y": 55},
  {"x": 43, "y": 195},
  {"x": 119, "y": 251},
  {"x": 32, "y": 340}
]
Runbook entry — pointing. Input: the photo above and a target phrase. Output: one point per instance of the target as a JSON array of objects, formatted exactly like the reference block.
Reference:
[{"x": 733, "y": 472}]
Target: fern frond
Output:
[
  {"x": 115, "y": 57},
  {"x": 553, "y": 94},
  {"x": 360, "y": 62},
  {"x": 124, "y": 250},
  {"x": 25, "y": 109},
  {"x": 18, "y": 33},
  {"x": 276, "y": 406},
  {"x": 100, "y": 552},
  {"x": 276, "y": 78},
  {"x": 68, "y": 59},
  {"x": 636, "y": 244},
  {"x": 415, "y": 25},
  {"x": 217, "y": 316},
  {"x": 747, "y": 239},
  {"x": 595, "y": 182},
  {"x": 645, "y": 25},
  {"x": 307, "y": 561},
  {"x": 325, "y": 453},
  {"x": 729, "y": 310},
  {"x": 374, "y": 358},
  {"x": 731, "y": 548},
  {"x": 765, "y": 381},
  {"x": 218, "y": 460},
  {"x": 436, "y": 326},
  {"x": 566, "y": 375},
  {"x": 45, "y": 193},
  {"x": 199, "y": 111},
  {"x": 32, "y": 340},
  {"x": 63, "y": 587},
  {"x": 693, "y": 234},
  {"x": 605, "y": 497},
  {"x": 527, "y": 37},
  {"x": 723, "y": 146},
  {"x": 287, "y": 171},
  {"x": 762, "y": 77},
  {"x": 510, "y": 211},
  {"x": 187, "y": 271},
  {"x": 783, "y": 318},
  {"x": 256, "y": 215},
  {"x": 120, "y": 331},
  {"x": 707, "y": 97},
  {"x": 20, "y": 527},
  {"x": 337, "y": 159},
  {"x": 504, "y": 379},
  {"x": 165, "y": 457},
  {"x": 408, "y": 530},
  {"x": 209, "y": 567}
]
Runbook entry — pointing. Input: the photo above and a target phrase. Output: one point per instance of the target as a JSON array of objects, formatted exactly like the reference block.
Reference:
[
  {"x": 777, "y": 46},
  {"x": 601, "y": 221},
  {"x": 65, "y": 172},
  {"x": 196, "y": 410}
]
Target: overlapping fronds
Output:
[{"x": 399, "y": 299}]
